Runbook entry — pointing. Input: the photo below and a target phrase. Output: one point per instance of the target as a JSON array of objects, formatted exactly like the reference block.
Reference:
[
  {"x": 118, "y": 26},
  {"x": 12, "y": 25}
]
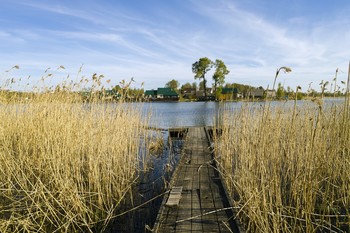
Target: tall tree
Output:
[
  {"x": 173, "y": 84},
  {"x": 202, "y": 85},
  {"x": 220, "y": 72},
  {"x": 194, "y": 85},
  {"x": 200, "y": 68}
]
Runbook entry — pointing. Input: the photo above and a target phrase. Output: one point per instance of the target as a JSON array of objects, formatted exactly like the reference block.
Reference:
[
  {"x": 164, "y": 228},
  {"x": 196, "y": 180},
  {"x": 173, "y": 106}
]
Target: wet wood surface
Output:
[{"x": 198, "y": 207}]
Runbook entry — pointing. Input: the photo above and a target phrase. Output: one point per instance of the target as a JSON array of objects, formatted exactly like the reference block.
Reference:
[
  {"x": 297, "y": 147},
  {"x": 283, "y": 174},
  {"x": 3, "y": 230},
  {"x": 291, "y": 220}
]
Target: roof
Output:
[
  {"x": 151, "y": 92},
  {"x": 166, "y": 92}
]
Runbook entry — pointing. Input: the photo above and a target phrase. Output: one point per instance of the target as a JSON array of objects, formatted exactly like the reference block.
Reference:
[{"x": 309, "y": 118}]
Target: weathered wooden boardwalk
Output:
[{"x": 197, "y": 194}]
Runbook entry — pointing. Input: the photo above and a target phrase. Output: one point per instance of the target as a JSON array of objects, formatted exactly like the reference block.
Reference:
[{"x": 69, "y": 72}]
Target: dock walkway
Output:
[{"x": 197, "y": 195}]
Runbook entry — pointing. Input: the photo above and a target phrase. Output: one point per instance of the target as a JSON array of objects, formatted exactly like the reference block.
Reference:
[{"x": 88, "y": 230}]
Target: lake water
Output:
[
  {"x": 186, "y": 114},
  {"x": 183, "y": 114}
]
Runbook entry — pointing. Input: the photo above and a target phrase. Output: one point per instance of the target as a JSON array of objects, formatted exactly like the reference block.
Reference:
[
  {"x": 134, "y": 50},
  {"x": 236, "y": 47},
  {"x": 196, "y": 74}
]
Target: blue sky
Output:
[{"x": 155, "y": 41}]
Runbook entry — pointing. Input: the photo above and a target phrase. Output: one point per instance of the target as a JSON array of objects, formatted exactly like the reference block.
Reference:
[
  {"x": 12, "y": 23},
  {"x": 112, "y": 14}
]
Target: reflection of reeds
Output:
[
  {"x": 65, "y": 165},
  {"x": 156, "y": 145},
  {"x": 288, "y": 173}
]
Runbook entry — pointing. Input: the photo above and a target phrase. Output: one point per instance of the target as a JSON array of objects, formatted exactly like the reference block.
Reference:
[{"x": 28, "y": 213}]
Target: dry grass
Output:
[
  {"x": 65, "y": 165},
  {"x": 288, "y": 169}
]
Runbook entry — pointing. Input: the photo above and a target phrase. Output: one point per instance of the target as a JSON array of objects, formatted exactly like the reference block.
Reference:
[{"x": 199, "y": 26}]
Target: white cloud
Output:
[
  {"x": 121, "y": 42},
  {"x": 263, "y": 45}
]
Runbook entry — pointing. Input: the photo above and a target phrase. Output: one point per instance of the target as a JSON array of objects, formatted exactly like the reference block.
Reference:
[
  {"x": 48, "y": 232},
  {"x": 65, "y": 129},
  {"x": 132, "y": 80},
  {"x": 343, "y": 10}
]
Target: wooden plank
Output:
[
  {"x": 184, "y": 213},
  {"x": 195, "y": 192}
]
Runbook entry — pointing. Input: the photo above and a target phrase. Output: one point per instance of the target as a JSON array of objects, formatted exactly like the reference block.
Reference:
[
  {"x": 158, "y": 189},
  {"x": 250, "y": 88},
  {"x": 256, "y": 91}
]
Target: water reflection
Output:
[{"x": 146, "y": 194}]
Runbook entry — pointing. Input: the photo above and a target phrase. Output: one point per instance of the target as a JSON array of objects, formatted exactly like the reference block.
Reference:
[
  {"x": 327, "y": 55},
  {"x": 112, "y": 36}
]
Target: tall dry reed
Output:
[
  {"x": 288, "y": 169},
  {"x": 66, "y": 165}
]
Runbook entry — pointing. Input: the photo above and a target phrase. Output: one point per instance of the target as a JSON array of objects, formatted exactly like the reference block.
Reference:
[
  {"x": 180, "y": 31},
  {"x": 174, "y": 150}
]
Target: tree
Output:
[
  {"x": 218, "y": 91},
  {"x": 117, "y": 88},
  {"x": 220, "y": 72},
  {"x": 202, "y": 85},
  {"x": 243, "y": 89},
  {"x": 200, "y": 68},
  {"x": 280, "y": 91},
  {"x": 173, "y": 84},
  {"x": 194, "y": 85},
  {"x": 186, "y": 86}
]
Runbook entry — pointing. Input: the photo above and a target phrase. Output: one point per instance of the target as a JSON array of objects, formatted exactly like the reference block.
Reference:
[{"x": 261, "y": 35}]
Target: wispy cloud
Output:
[
  {"x": 270, "y": 44},
  {"x": 156, "y": 44}
]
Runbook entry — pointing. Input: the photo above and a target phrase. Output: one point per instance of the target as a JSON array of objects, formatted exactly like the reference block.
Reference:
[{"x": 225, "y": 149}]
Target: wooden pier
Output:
[{"x": 197, "y": 201}]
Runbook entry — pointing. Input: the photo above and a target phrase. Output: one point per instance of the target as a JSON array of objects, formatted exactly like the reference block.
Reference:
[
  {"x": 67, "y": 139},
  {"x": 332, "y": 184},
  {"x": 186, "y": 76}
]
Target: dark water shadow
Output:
[{"x": 152, "y": 183}]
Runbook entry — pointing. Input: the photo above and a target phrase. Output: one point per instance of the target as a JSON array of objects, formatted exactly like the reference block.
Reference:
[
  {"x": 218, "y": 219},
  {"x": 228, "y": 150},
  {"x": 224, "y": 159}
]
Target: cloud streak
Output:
[{"x": 157, "y": 44}]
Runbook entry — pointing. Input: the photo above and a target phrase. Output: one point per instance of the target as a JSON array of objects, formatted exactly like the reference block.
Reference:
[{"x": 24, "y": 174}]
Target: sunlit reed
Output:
[
  {"x": 67, "y": 161},
  {"x": 287, "y": 169}
]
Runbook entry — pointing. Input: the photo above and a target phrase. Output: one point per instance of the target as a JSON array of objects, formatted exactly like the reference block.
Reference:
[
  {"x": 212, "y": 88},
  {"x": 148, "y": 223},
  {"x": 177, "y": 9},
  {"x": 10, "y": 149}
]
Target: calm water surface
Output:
[{"x": 186, "y": 114}]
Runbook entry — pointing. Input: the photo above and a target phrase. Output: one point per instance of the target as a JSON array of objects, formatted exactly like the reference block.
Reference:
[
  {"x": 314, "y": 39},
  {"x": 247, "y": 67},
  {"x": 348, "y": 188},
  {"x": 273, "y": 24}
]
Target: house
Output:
[
  {"x": 167, "y": 93},
  {"x": 162, "y": 94},
  {"x": 150, "y": 94},
  {"x": 270, "y": 94},
  {"x": 189, "y": 93},
  {"x": 229, "y": 94},
  {"x": 201, "y": 95},
  {"x": 256, "y": 93}
]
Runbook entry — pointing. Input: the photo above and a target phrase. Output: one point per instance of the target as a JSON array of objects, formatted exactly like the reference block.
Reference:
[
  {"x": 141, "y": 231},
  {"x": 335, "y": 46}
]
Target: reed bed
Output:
[
  {"x": 66, "y": 165},
  {"x": 288, "y": 169}
]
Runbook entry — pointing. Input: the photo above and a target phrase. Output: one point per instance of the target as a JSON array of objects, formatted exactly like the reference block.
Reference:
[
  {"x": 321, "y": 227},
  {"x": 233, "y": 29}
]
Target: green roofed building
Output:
[
  {"x": 151, "y": 93},
  {"x": 166, "y": 93},
  {"x": 162, "y": 94}
]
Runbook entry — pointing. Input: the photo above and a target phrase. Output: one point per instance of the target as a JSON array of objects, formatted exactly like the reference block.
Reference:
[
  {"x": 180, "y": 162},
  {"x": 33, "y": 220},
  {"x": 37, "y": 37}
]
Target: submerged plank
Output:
[{"x": 174, "y": 197}]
